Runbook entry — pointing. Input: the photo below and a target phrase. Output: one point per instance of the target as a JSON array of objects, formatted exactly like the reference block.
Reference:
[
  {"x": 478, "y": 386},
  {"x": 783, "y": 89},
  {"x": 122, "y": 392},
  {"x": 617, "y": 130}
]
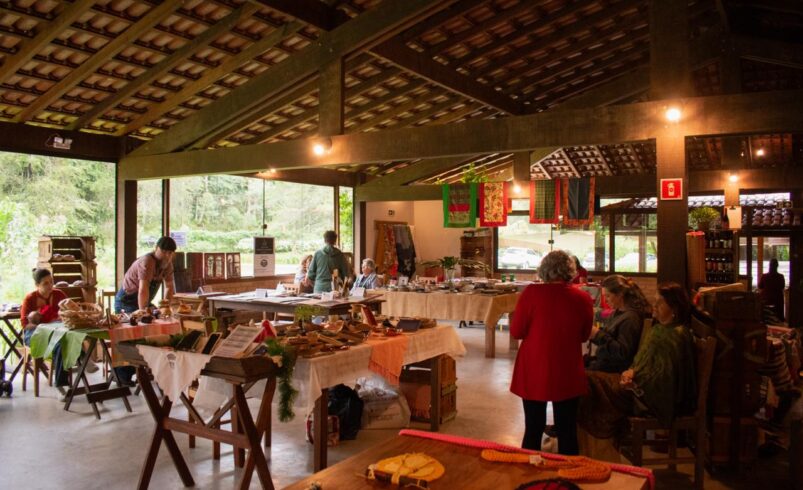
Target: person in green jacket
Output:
[{"x": 324, "y": 262}]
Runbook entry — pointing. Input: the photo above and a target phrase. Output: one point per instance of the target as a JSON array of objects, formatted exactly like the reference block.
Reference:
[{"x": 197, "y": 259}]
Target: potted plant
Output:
[
  {"x": 701, "y": 218},
  {"x": 450, "y": 263}
]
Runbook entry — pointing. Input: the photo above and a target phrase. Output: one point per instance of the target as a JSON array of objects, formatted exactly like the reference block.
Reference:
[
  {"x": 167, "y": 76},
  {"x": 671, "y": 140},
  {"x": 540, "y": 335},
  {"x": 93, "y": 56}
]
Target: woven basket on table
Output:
[{"x": 86, "y": 315}]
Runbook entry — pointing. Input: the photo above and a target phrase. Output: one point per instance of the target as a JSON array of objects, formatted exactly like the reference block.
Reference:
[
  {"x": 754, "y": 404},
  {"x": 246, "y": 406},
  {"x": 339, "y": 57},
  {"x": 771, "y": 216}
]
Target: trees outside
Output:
[
  {"x": 52, "y": 196},
  {"x": 219, "y": 213}
]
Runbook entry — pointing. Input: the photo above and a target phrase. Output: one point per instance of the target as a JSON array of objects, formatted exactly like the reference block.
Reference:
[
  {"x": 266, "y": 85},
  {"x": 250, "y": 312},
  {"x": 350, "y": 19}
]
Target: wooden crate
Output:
[
  {"x": 420, "y": 372},
  {"x": 82, "y": 247},
  {"x": 87, "y": 294},
  {"x": 719, "y": 445},
  {"x": 72, "y": 271}
]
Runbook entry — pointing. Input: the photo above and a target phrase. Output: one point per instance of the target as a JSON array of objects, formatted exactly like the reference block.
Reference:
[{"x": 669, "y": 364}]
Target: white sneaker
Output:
[{"x": 92, "y": 367}]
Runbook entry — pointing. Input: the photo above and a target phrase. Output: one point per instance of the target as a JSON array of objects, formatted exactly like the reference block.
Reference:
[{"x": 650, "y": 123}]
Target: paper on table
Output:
[{"x": 238, "y": 341}]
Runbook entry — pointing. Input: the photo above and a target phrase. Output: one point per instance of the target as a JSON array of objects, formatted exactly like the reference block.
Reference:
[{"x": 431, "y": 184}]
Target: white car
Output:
[
  {"x": 518, "y": 258},
  {"x": 630, "y": 262}
]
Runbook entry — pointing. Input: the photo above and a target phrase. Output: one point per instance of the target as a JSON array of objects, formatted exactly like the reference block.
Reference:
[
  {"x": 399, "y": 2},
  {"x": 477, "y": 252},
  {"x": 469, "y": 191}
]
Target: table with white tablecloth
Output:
[{"x": 455, "y": 306}]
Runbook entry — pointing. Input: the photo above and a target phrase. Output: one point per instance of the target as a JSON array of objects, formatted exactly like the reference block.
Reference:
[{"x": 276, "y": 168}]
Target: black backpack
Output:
[{"x": 346, "y": 404}]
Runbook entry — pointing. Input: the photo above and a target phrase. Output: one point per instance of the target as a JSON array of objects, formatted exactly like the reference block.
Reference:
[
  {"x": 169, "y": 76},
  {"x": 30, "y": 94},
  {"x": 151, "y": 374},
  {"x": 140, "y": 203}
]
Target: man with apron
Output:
[{"x": 141, "y": 283}]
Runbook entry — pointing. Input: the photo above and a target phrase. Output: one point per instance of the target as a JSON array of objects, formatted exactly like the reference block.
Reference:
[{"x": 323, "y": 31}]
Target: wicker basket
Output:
[{"x": 80, "y": 315}]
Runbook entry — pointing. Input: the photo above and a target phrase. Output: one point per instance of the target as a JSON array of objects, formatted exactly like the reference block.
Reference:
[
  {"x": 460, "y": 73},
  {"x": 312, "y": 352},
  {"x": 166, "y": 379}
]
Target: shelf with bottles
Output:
[
  {"x": 722, "y": 241},
  {"x": 721, "y": 257}
]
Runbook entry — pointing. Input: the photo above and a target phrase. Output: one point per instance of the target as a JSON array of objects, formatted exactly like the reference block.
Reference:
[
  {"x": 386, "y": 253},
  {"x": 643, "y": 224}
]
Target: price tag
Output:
[
  {"x": 358, "y": 292},
  {"x": 328, "y": 296},
  {"x": 261, "y": 293}
]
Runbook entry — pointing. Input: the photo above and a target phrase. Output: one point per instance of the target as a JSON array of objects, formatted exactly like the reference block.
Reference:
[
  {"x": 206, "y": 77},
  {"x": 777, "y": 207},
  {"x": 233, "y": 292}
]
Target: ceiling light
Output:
[
  {"x": 516, "y": 188},
  {"x": 321, "y": 146},
  {"x": 733, "y": 178},
  {"x": 673, "y": 114},
  {"x": 760, "y": 152}
]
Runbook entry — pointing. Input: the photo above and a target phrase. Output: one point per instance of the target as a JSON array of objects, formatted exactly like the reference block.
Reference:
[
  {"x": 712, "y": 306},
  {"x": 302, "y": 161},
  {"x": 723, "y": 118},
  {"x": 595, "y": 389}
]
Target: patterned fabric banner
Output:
[
  {"x": 493, "y": 204},
  {"x": 545, "y": 201},
  {"x": 578, "y": 201},
  {"x": 459, "y": 205}
]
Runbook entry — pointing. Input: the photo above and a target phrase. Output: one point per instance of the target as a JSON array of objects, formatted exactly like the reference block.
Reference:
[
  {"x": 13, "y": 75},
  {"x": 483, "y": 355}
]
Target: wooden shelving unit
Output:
[
  {"x": 82, "y": 267},
  {"x": 721, "y": 257},
  {"x": 477, "y": 247}
]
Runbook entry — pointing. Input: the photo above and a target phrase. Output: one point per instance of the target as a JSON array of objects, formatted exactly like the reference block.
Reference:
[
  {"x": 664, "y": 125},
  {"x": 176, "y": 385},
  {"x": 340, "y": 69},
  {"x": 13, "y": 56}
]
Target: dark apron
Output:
[{"x": 129, "y": 303}]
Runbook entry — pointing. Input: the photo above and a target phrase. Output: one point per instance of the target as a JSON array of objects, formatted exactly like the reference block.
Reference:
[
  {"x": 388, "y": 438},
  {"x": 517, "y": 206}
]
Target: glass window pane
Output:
[
  {"x": 520, "y": 205},
  {"x": 636, "y": 243},
  {"x": 346, "y": 232},
  {"x": 222, "y": 213},
  {"x": 149, "y": 215},
  {"x": 522, "y": 244}
]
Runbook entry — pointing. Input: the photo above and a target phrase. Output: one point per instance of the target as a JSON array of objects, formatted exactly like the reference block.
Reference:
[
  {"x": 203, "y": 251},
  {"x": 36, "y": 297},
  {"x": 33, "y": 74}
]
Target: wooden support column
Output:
[
  {"x": 330, "y": 105},
  {"x": 165, "y": 207},
  {"x": 126, "y": 227},
  {"x": 670, "y": 78},
  {"x": 795, "y": 313},
  {"x": 521, "y": 166}
]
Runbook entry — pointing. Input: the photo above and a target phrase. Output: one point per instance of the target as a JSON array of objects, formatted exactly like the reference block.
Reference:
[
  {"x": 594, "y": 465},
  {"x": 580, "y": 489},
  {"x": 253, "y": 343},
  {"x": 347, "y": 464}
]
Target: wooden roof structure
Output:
[{"x": 141, "y": 72}]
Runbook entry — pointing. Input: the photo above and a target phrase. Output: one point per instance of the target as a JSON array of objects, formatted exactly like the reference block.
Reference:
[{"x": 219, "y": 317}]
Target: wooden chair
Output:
[
  {"x": 291, "y": 288},
  {"x": 39, "y": 367},
  {"x": 106, "y": 301},
  {"x": 695, "y": 424}
]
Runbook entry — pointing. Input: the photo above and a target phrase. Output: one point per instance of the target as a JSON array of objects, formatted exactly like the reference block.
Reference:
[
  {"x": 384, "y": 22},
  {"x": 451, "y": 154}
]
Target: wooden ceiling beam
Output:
[
  {"x": 38, "y": 140},
  {"x": 416, "y": 171},
  {"x": 770, "y": 51},
  {"x": 46, "y": 33},
  {"x": 98, "y": 59},
  {"x": 435, "y": 21},
  {"x": 315, "y": 176},
  {"x": 159, "y": 69},
  {"x": 189, "y": 89},
  {"x": 398, "y": 53},
  {"x": 763, "y": 112},
  {"x": 350, "y": 38}
]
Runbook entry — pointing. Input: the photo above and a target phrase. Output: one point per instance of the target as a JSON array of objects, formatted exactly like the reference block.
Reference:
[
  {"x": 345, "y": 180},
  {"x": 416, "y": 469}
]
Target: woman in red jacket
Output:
[
  {"x": 553, "y": 319},
  {"x": 40, "y": 305}
]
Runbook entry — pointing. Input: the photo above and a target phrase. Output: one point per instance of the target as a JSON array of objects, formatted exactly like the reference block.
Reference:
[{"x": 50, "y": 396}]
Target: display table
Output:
[
  {"x": 13, "y": 338},
  {"x": 464, "y": 469},
  {"x": 240, "y": 374},
  {"x": 455, "y": 306},
  {"x": 313, "y": 377},
  {"x": 286, "y": 305}
]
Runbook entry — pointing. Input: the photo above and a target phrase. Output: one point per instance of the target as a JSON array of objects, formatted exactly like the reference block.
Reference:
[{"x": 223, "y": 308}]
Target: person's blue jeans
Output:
[{"x": 127, "y": 303}]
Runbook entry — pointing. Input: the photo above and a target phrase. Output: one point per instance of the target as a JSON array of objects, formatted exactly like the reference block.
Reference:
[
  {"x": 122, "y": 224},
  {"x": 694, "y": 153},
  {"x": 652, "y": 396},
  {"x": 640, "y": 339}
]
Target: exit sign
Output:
[{"x": 671, "y": 189}]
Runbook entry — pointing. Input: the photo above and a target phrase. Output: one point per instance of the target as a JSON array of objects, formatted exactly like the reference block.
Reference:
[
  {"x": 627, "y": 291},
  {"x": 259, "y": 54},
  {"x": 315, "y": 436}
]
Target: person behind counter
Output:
[
  {"x": 324, "y": 263},
  {"x": 141, "y": 283},
  {"x": 301, "y": 274},
  {"x": 368, "y": 278},
  {"x": 145, "y": 276},
  {"x": 582, "y": 273},
  {"x": 618, "y": 339},
  {"x": 553, "y": 319},
  {"x": 771, "y": 286}
]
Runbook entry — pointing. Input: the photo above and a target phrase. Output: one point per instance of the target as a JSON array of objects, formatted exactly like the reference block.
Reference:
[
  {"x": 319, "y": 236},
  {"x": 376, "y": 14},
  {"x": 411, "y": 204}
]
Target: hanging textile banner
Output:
[
  {"x": 578, "y": 201},
  {"x": 545, "y": 201},
  {"x": 493, "y": 204},
  {"x": 459, "y": 205}
]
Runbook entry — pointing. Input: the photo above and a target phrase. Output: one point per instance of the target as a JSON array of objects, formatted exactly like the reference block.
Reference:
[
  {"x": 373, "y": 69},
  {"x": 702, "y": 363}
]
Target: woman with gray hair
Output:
[
  {"x": 368, "y": 278},
  {"x": 553, "y": 319}
]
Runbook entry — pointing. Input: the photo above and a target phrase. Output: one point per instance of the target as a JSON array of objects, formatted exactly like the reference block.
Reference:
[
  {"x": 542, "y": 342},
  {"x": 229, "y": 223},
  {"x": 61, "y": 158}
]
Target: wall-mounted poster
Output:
[{"x": 264, "y": 256}]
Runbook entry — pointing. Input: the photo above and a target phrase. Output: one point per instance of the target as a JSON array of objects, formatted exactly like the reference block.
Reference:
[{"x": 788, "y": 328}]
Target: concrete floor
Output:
[{"x": 44, "y": 447}]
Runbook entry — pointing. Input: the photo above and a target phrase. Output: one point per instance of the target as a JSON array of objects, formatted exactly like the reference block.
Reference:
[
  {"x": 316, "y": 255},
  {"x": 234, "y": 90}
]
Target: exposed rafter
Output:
[
  {"x": 770, "y": 51},
  {"x": 354, "y": 36},
  {"x": 159, "y": 69},
  {"x": 46, "y": 33},
  {"x": 135, "y": 30}
]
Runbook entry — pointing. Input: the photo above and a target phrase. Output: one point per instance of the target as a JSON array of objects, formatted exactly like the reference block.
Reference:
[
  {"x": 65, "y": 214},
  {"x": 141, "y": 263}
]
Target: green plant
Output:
[
  {"x": 306, "y": 312},
  {"x": 285, "y": 359},
  {"x": 471, "y": 175},
  {"x": 702, "y": 214}
]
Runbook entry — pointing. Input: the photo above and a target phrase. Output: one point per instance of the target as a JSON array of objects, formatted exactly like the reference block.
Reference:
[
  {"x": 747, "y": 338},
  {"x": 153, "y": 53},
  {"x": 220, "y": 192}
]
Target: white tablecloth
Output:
[
  {"x": 313, "y": 375},
  {"x": 173, "y": 371},
  {"x": 450, "y": 306}
]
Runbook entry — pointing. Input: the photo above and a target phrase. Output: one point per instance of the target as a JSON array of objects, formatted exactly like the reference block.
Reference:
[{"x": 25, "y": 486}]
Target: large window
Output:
[
  {"x": 346, "y": 219},
  {"x": 520, "y": 244},
  {"x": 772, "y": 248},
  {"x": 221, "y": 213},
  {"x": 149, "y": 215},
  {"x": 636, "y": 243},
  {"x": 52, "y": 196}
]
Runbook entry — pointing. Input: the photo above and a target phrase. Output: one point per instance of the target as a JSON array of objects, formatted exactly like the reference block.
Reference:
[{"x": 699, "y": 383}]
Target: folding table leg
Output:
[
  {"x": 160, "y": 414},
  {"x": 435, "y": 393},
  {"x": 263, "y": 428},
  {"x": 113, "y": 375},
  {"x": 321, "y": 430},
  {"x": 255, "y": 454},
  {"x": 77, "y": 380}
]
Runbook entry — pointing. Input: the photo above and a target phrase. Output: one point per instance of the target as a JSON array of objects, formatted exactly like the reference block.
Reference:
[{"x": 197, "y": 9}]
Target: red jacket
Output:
[
  {"x": 553, "y": 320},
  {"x": 48, "y": 308}
]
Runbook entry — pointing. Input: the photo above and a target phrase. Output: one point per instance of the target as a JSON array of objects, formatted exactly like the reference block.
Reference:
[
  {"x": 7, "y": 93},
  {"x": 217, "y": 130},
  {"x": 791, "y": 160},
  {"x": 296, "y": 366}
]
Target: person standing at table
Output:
[
  {"x": 771, "y": 286},
  {"x": 141, "y": 283},
  {"x": 553, "y": 319},
  {"x": 145, "y": 276},
  {"x": 324, "y": 263}
]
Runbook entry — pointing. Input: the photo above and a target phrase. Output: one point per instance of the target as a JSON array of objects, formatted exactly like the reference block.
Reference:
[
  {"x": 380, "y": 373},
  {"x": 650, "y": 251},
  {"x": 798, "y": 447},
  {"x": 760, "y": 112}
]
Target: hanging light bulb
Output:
[
  {"x": 673, "y": 114},
  {"x": 516, "y": 188}
]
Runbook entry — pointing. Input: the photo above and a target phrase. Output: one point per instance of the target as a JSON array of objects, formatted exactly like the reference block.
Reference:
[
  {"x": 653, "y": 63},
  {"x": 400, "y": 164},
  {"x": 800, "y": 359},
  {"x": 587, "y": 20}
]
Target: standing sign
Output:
[
  {"x": 671, "y": 189},
  {"x": 264, "y": 256},
  {"x": 180, "y": 238}
]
